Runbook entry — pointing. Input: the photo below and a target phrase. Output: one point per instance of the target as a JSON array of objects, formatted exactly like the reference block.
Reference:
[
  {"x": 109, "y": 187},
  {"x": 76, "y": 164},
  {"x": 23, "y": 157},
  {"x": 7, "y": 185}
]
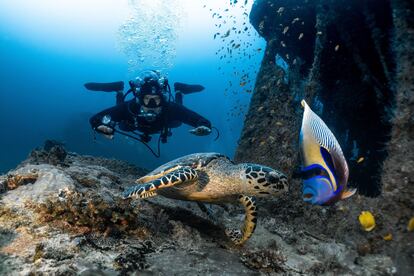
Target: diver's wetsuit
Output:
[{"x": 172, "y": 115}]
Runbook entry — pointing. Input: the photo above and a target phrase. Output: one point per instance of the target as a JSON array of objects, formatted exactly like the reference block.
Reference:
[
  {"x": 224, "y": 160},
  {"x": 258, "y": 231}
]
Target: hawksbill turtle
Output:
[{"x": 213, "y": 178}]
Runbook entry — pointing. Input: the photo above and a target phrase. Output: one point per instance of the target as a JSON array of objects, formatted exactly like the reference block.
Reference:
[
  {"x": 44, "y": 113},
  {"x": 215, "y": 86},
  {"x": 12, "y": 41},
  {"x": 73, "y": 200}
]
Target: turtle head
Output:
[{"x": 265, "y": 181}]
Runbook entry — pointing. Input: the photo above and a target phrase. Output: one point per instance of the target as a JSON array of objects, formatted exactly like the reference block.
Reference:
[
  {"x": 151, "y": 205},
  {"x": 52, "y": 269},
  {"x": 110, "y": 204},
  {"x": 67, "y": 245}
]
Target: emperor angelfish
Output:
[{"x": 325, "y": 171}]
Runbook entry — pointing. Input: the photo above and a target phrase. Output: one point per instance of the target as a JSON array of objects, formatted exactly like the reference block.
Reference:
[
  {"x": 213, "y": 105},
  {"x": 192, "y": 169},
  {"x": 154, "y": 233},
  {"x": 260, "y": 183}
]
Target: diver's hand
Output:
[
  {"x": 107, "y": 131},
  {"x": 200, "y": 131}
]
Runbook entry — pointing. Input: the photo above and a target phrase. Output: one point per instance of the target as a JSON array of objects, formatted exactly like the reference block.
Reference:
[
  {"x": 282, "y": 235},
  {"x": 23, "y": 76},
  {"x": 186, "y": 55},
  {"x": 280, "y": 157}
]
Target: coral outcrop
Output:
[{"x": 68, "y": 218}]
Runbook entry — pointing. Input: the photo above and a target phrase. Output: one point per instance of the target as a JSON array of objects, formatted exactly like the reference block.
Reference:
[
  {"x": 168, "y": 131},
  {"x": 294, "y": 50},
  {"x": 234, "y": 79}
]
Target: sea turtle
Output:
[{"x": 213, "y": 178}]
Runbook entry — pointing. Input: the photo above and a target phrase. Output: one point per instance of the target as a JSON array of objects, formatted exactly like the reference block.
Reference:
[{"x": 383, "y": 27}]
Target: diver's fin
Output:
[
  {"x": 187, "y": 88},
  {"x": 348, "y": 193},
  {"x": 105, "y": 86}
]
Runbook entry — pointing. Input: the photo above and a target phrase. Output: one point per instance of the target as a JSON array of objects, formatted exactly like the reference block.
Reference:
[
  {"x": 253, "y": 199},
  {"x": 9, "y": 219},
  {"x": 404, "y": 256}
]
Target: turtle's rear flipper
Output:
[
  {"x": 175, "y": 177},
  {"x": 187, "y": 88},
  {"x": 241, "y": 236},
  {"x": 105, "y": 86}
]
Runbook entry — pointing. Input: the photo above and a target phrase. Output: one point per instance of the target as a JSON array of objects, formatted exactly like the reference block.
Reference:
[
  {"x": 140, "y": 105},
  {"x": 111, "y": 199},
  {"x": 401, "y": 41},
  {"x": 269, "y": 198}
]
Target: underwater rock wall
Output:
[
  {"x": 338, "y": 56},
  {"x": 269, "y": 135},
  {"x": 353, "y": 61},
  {"x": 398, "y": 169}
]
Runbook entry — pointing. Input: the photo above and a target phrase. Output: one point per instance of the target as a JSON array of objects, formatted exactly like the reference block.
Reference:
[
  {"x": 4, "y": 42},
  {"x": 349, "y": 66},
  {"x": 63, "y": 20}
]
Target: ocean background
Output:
[{"x": 49, "y": 49}]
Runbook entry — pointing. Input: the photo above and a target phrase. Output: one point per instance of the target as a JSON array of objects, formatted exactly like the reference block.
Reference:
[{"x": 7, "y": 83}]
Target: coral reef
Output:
[
  {"x": 264, "y": 260},
  {"x": 62, "y": 213},
  {"x": 69, "y": 218},
  {"x": 53, "y": 153}
]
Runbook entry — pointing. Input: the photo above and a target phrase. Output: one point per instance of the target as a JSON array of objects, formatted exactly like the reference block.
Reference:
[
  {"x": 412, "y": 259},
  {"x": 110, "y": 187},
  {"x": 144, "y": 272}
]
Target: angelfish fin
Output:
[{"x": 348, "y": 193}]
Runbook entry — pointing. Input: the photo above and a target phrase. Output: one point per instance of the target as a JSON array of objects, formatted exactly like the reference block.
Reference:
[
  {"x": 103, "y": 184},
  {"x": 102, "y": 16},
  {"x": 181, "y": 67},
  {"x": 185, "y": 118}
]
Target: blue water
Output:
[{"x": 42, "y": 73}]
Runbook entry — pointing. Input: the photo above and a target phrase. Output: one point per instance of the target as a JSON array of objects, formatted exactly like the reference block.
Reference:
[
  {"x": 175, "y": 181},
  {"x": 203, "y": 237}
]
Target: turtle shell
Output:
[{"x": 195, "y": 160}]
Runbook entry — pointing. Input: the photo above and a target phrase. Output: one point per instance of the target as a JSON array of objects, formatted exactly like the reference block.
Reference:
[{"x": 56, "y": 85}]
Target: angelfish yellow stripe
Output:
[
  {"x": 313, "y": 155},
  {"x": 317, "y": 135}
]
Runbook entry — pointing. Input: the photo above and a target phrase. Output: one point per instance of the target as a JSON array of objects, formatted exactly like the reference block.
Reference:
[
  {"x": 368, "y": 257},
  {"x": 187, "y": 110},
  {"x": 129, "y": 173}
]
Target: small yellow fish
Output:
[
  {"x": 360, "y": 160},
  {"x": 367, "y": 220},
  {"x": 388, "y": 237},
  {"x": 410, "y": 226},
  {"x": 336, "y": 48}
]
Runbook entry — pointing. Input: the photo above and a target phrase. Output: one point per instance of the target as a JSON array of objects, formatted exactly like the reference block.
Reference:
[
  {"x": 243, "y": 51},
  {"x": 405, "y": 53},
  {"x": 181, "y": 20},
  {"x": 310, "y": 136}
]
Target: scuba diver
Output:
[{"x": 152, "y": 110}]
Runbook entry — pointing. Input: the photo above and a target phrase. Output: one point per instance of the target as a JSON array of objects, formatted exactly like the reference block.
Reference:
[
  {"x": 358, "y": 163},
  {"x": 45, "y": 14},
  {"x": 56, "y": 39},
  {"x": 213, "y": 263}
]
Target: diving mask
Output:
[{"x": 151, "y": 101}]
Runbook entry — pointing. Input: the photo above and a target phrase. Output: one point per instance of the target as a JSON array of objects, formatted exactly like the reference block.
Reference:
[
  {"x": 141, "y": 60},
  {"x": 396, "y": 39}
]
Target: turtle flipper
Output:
[
  {"x": 175, "y": 177},
  {"x": 141, "y": 193},
  {"x": 148, "y": 178},
  {"x": 241, "y": 236}
]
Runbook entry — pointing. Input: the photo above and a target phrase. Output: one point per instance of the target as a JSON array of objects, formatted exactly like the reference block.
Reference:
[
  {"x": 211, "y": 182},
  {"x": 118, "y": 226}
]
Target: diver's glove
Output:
[
  {"x": 200, "y": 131},
  {"x": 107, "y": 131}
]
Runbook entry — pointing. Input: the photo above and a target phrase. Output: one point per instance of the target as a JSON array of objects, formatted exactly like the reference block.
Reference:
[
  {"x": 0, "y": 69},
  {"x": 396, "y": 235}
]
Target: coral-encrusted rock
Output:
[
  {"x": 69, "y": 219},
  {"x": 44, "y": 208},
  {"x": 36, "y": 183},
  {"x": 52, "y": 153}
]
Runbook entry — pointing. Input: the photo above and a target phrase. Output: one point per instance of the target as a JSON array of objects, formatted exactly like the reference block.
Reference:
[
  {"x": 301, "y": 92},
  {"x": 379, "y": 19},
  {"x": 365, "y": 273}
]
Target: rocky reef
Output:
[
  {"x": 68, "y": 218},
  {"x": 61, "y": 213},
  {"x": 354, "y": 62}
]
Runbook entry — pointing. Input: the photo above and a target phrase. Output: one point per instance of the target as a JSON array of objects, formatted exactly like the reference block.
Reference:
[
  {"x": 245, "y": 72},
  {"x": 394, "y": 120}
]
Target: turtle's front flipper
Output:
[
  {"x": 151, "y": 177},
  {"x": 178, "y": 176},
  {"x": 140, "y": 192},
  {"x": 241, "y": 236}
]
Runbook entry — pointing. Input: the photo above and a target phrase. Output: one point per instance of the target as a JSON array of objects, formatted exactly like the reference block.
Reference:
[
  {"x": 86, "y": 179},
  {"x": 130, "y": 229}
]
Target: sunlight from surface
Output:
[
  {"x": 156, "y": 30},
  {"x": 70, "y": 26},
  {"x": 44, "y": 15},
  {"x": 77, "y": 25}
]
